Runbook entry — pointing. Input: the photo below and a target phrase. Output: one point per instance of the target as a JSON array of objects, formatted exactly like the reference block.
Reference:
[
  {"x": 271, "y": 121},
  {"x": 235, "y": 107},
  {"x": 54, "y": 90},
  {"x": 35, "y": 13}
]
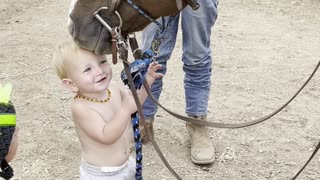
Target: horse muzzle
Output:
[{"x": 88, "y": 33}]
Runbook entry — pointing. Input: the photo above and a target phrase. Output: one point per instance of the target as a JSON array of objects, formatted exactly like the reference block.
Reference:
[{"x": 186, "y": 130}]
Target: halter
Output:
[{"x": 116, "y": 32}]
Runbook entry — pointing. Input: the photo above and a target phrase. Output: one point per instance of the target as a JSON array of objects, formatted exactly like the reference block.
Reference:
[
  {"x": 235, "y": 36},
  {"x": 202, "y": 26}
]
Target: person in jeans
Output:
[{"x": 196, "y": 29}]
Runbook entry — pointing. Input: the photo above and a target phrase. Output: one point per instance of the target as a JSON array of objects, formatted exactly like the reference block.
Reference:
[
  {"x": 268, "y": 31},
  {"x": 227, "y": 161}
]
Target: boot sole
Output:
[{"x": 203, "y": 162}]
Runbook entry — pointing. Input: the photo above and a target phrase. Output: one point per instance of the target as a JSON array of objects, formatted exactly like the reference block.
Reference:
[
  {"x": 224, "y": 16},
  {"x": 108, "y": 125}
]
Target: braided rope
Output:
[
  {"x": 138, "y": 70},
  {"x": 138, "y": 145}
]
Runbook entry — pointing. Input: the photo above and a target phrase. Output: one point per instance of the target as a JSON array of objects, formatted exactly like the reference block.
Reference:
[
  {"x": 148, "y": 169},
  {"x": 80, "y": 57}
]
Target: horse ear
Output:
[{"x": 70, "y": 85}]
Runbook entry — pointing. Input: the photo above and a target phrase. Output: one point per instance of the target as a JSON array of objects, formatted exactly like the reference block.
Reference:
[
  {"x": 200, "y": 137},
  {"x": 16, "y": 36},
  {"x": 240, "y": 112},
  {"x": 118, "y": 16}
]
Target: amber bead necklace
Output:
[{"x": 93, "y": 99}]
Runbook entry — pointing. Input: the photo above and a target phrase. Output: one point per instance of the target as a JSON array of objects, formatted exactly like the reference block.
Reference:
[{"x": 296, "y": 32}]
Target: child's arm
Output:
[
  {"x": 150, "y": 78},
  {"x": 93, "y": 124}
]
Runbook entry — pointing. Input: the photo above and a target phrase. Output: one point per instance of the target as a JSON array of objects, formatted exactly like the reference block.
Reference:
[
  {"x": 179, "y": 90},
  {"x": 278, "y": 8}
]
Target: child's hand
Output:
[
  {"x": 13, "y": 146},
  {"x": 128, "y": 102},
  {"x": 153, "y": 67}
]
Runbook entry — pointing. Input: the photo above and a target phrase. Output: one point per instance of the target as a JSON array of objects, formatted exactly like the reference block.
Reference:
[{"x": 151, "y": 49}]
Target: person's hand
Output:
[
  {"x": 152, "y": 70},
  {"x": 128, "y": 102},
  {"x": 13, "y": 146}
]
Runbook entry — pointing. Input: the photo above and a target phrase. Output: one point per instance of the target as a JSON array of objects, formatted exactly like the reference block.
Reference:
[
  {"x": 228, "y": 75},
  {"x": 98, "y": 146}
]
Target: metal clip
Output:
[{"x": 122, "y": 44}]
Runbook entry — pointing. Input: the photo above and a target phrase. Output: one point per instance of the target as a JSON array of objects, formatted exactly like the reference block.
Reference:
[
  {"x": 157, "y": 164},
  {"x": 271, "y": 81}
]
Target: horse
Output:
[{"x": 88, "y": 33}]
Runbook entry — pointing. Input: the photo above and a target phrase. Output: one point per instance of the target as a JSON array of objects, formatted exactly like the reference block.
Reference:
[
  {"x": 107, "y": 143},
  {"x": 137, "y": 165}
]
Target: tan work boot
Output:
[
  {"x": 202, "y": 150},
  {"x": 143, "y": 132}
]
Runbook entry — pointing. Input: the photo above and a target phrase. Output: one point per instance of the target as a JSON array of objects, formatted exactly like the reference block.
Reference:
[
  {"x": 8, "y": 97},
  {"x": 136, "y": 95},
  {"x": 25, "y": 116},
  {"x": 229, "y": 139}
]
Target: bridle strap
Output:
[
  {"x": 305, "y": 165},
  {"x": 240, "y": 125},
  {"x": 124, "y": 56},
  {"x": 114, "y": 50},
  {"x": 112, "y": 5},
  {"x": 225, "y": 125},
  {"x": 136, "y": 51},
  {"x": 142, "y": 12},
  {"x": 114, "y": 31}
]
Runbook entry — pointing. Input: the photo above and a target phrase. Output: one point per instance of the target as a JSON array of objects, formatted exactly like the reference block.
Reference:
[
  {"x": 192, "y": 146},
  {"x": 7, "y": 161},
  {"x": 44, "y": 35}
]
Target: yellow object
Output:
[
  {"x": 7, "y": 119},
  {"x": 5, "y": 92}
]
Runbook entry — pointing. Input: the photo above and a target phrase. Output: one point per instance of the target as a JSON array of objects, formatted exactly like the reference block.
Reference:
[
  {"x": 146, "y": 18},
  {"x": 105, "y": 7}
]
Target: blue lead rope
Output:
[
  {"x": 138, "y": 145},
  {"x": 138, "y": 70}
]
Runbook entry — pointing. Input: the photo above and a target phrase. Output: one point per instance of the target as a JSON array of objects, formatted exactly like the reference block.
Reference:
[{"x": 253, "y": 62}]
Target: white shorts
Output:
[{"x": 124, "y": 172}]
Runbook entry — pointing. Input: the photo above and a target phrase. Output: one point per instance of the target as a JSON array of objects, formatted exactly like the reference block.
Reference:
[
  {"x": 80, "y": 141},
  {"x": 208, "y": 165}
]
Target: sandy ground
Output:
[{"x": 263, "y": 52}]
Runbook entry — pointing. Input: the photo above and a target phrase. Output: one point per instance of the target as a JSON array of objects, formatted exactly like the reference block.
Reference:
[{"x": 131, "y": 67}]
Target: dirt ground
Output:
[{"x": 263, "y": 52}]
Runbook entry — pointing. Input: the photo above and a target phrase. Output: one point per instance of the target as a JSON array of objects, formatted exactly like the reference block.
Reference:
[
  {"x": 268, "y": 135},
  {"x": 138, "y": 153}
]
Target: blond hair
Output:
[{"x": 65, "y": 52}]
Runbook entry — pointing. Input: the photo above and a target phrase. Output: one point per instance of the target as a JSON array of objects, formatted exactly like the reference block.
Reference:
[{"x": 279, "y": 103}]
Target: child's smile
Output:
[{"x": 102, "y": 80}]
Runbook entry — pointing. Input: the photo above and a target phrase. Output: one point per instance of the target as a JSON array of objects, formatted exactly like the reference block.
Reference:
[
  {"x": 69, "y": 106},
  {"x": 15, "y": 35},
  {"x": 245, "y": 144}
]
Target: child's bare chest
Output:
[{"x": 109, "y": 109}]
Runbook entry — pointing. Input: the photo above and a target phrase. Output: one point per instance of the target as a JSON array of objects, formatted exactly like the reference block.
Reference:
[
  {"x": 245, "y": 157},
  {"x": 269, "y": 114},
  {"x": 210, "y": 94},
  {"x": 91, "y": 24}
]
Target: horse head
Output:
[{"x": 89, "y": 33}]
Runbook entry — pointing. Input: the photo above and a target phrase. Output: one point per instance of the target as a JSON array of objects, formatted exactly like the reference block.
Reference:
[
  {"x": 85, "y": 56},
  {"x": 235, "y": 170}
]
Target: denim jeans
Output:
[{"x": 196, "y": 30}]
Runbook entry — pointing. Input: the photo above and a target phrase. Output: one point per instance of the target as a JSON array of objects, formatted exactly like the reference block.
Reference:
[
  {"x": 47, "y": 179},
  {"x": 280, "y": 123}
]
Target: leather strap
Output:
[
  {"x": 225, "y": 125},
  {"x": 136, "y": 51},
  {"x": 112, "y": 5},
  {"x": 305, "y": 165},
  {"x": 114, "y": 47},
  {"x": 124, "y": 58}
]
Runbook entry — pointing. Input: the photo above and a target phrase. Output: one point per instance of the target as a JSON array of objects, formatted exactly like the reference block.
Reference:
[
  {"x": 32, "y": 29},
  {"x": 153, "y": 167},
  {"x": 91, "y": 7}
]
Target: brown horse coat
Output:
[{"x": 89, "y": 33}]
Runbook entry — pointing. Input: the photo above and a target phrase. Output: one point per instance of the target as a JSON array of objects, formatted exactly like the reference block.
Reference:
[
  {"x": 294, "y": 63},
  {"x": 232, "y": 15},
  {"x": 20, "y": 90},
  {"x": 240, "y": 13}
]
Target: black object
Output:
[{"x": 7, "y": 128}]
